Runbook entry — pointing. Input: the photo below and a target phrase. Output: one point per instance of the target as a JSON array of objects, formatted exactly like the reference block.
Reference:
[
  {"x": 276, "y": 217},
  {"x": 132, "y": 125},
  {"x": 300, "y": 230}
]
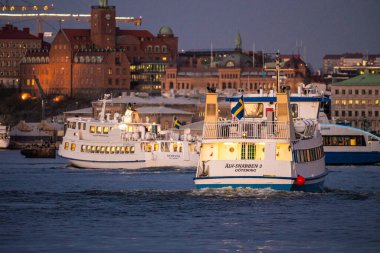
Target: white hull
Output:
[{"x": 4, "y": 143}]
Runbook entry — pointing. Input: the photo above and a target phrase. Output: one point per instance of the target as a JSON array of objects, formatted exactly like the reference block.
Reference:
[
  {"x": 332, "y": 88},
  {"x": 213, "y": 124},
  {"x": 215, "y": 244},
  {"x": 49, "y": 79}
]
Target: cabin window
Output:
[
  {"x": 105, "y": 130},
  {"x": 66, "y": 145},
  {"x": 88, "y": 149},
  {"x": 253, "y": 110},
  {"x": 294, "y": 110},
  {"x": 348, "y": 140},
  {"x": 99, "y": 130},
  {"x": 93, "y": 149},
  {"x": 102, "y": 149},
  {"x": 132, "y": 149},
  {"x": 122, "y": 150},
  {"x": 92, "y": 129},
  {"x": 72, "y": 146},
  {"x": 283, "y": 152},
  {"x": 165, "y": 147},
  {"x": 156, "y": 147},
  {"x": 74, "y": 124},
  {"x": 127, "y": 150},
  {"x": 117, "y": 150},
  {"x": 211, "y": 109},
  {"x": 112, "y": 150},
  {"x": 108, "y": 150},
  {"x": 175, "y": 147},
  {"x": 84, "y": 126},
  {"x": 83, "y": 148},
  {"x": 79, "y": 125}
]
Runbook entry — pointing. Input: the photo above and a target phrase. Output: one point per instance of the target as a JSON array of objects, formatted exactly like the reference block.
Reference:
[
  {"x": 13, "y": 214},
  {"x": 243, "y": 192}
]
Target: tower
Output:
[{"x": 103, "y": 25}]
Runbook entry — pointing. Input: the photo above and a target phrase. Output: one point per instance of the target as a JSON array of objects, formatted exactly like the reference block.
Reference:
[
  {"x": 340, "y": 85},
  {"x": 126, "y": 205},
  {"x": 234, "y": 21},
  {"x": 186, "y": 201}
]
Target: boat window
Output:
[
  {"x": 92, "y": 129},
  {"x": 79, "y": 125},
  {"x": 191, "y": 147},
  {"x": 97, "y": 149},
  {"x": 211, "y": 109},
  {"x": 346, "y": 140},
  {"x": 117, "y": 150},
  {"x": 122, "y": 150},
  {"x": 165, "y": 147},
  {"x": 156, "y": 147},
  {"x": 148, "y": 147},
  {"x": 175, "y": 147},
  {"x": 66, "y": 145},
  {"x": 179, "y": 147},
  {"x": 112, "y": 150},
  {"x": 72, "y": 146},
  {"x": 107, "y": 150},
  {"x": 283, "y": 152},
  {"x": 294, "y": 109},
  {"x": 102, "y": 149},
  {"x": 127, "y": 150},
  {"x": 84, "y": 126},
  {"x": 132, "y": 149},
  {"x": 83, "y": 148},
  {"x": 88, "y": 149},
  {"x": 99, "y": 130},
  {"x": 105, "y": 130},
  {"x": 253, "y": 110},
  {"x": 93, "y": 149}
]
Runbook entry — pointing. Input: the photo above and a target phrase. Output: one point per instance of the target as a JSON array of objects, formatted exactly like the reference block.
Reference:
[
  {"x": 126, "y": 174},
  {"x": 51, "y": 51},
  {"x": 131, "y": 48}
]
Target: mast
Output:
[{"x": 278, "y": 88}]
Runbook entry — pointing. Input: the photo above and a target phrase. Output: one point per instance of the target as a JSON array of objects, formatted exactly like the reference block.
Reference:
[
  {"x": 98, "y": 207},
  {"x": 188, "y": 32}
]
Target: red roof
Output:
[
  {"x": 78, "y": 36},
  {"x": 136, "y": 33}
]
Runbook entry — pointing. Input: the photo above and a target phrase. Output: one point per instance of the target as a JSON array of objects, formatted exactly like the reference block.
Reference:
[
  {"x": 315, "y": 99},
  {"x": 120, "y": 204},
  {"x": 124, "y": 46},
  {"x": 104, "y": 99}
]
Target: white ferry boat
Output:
[
  {"x": 267, "y": 148},
  {"x": 125, "y": 143},
  {"x": 4, "y": 136},
  {"x": 349, "y": 145}
]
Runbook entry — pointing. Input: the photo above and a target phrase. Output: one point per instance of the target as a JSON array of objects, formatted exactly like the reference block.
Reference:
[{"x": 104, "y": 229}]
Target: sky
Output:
[{"x": 320, "y": 26}]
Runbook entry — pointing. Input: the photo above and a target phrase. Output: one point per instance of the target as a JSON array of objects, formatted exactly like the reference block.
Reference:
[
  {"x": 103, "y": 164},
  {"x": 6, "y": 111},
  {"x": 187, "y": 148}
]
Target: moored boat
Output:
[
  {"x": 265, "y": 147},
  {"x": 4, "y": 136},
  {"x": 124, "y": 142}
]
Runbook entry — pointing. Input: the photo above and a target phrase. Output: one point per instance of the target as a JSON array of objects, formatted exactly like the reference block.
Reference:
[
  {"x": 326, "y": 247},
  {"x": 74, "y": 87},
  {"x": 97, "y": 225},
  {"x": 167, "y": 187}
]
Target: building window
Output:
[
  {"x": 337, "y": 113},
  {"x": 109, "y": 81},
  {"x": 336, "y": 92},
  {"x": 109, "y": 71},
  {"x": 363, "y": 92}
]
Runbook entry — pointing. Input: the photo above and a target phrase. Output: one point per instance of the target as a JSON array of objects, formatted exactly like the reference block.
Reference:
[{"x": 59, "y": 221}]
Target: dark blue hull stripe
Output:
[{"x": 357, "y": 158}]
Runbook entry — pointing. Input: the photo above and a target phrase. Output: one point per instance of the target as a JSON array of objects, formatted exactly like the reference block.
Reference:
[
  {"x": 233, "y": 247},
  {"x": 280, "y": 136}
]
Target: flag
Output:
[
  {"x": 176, "y": 123},
  {"x": 238, "y": 109}
]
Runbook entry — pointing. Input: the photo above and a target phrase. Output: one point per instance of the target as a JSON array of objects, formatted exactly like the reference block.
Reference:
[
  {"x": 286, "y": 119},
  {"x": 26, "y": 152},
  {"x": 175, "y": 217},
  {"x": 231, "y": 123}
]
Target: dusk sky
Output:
[{"x": 323, "y": 26}]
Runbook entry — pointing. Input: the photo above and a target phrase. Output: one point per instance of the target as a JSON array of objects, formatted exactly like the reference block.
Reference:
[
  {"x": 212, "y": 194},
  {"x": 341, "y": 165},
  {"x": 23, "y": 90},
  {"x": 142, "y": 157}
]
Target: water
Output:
[{"x": 46, "y": 206}]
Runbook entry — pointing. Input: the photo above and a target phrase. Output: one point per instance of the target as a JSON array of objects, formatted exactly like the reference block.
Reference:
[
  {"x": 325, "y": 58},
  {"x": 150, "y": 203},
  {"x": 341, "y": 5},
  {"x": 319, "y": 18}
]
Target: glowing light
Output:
[
  {"x": 59, "y": 98},
  {"x": 25, "y": 96}
]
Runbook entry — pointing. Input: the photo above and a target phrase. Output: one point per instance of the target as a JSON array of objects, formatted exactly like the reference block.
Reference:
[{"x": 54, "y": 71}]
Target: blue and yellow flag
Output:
[
  {"x": 176, "y": 123},
  {"x": 238, "y": 109}
]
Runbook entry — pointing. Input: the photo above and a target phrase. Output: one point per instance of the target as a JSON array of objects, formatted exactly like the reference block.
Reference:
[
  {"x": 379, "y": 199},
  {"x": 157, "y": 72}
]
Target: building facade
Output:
[
  {"x": 103, "y": 59},
  {"x": 14, "y": 43},
  {"x": 231, "y": 71},
  {"x": 356, "y": 101}
]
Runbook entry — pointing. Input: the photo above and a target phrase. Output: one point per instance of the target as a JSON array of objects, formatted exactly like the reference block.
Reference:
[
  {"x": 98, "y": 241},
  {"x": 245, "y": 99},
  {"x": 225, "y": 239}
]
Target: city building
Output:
[
  {"x": 339, "y": 67},
  {"x": 356, "y": 102},
  {"x": 14, "y": 43},
  {"x": 231, "y": 71},
  {"x": 103, "y": 59}
]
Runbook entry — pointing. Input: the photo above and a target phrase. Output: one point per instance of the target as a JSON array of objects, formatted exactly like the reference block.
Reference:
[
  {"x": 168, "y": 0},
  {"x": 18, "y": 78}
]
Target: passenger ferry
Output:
[
  {"x": 267, "y": 147},
  {"x": 349, "y": 145},
  {"x": 125, "y": 143},
  {"x": 4, "y": 136}
]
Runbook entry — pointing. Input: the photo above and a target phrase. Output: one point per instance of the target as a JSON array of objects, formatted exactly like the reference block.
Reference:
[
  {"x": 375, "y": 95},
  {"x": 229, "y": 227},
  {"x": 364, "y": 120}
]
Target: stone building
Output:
[
  {"x": 102, "y": 59},
  {"x": 356, "y": 101},
  {"x": 14, "y": 43}
]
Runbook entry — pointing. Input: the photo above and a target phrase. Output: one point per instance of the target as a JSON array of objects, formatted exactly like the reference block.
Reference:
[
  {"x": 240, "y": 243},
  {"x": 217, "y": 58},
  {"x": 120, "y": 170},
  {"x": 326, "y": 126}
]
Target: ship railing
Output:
[{"x": 246, "y": 129}]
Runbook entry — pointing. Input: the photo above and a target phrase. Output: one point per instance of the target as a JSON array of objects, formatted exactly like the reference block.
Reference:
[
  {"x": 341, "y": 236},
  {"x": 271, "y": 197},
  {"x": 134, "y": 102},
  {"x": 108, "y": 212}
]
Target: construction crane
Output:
[
  {"x": 44, "y": 99},
  {"x": 40, "y": 17}
]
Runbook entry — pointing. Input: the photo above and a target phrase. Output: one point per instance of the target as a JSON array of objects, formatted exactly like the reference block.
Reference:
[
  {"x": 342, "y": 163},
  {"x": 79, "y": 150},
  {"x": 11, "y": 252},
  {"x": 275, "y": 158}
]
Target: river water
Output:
[{"x": 46, "y": 206}]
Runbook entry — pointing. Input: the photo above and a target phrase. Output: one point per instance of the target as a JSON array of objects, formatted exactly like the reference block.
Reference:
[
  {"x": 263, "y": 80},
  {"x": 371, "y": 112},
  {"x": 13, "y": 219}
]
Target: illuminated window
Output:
[
  {"x": 344, "y": 102},
  {"x": 105, "y": 130},
  {"x": 122, "y": 150},
  {"x": 83, "y": 148},
  {"x": 376, "y": 102},
  {"x": 127, "y": 150},
  {"x": 337, "y": 102},
  {"x": 132, "y": 149},
  {"x": 102, "y": 149},
  {"x": 66, "y": 145},
  {"x": 92, "y": 129},
  {"x": 99, "y": 130},
  {"x": 112, "y": 150},
  {"x": 350, "y": 102},
  {"x": 107, "y": 150},
  {"x": 356, "y": 102},
  {"x": 363, "y": 102},
  {"x": 117, "y": 150},
  {"x": 72, "y": 146}
]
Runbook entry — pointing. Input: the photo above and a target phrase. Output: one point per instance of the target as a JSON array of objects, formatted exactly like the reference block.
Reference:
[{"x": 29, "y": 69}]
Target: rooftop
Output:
[{"x": 366, "y": 79}]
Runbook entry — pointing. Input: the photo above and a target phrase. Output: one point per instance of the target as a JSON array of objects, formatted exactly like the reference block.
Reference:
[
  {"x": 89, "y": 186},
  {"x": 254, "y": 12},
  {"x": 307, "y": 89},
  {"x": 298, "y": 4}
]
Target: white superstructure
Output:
[{"x": 124, "y": 142}]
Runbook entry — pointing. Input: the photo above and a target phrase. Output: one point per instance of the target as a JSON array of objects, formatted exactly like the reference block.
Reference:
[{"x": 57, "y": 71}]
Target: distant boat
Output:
[
  {"x": 349, "y": 145},
  {"x": 124, "y": 142},
  {"x": 4, "y": 136}
]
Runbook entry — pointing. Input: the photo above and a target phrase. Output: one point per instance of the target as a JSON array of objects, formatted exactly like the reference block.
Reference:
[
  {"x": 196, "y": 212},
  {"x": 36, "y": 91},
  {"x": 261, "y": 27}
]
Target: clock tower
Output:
[{"x": 103, "y": 25}]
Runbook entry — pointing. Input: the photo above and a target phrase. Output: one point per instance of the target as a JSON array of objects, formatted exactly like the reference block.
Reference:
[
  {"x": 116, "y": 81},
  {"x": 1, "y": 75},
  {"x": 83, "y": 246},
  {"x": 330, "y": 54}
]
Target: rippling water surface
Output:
[{"x": 46, "y": 206}]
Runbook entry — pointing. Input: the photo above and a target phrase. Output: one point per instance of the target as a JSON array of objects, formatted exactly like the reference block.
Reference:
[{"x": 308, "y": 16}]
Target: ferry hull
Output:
[
  {"x": 282, "y": 184},
  {"x": 354, "y": 158}
]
